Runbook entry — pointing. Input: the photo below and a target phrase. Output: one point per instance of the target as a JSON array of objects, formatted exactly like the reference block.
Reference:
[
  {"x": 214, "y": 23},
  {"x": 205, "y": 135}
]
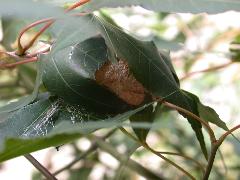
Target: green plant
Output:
[{"x": 94, "y": 75}]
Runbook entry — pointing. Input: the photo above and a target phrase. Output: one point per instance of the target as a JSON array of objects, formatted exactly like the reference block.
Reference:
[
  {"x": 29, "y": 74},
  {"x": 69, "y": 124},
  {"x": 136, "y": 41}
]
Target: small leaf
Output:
[
  {"x": 146, "y": 115},
  {"x": 210, "y": 115},
  {"x": 207, "y": 113}
]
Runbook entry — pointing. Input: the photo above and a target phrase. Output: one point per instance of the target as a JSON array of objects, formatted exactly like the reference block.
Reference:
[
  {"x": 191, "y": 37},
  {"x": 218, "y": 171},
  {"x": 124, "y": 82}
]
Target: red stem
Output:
[
  {"x": 37, "y": 35},
  {"x": 49, "y": 21},
  {"x": 20, "y": 48},
  {"x": 10, "y": 65},
  {"x": 77, "y": 4}
]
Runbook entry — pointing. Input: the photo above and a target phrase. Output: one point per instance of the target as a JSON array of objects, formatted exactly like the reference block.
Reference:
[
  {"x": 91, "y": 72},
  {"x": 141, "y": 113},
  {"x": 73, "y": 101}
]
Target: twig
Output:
[
  {"x": 206, "y": 70},
  {"x": 214, "y": 149},
  {"x": 184, "y": 156},
  {"x": 223, "y": 137},
  {"x": 84, "y": 154},
  {"x": 130, "y": 163},
  {"x": 40, "y": 167}
]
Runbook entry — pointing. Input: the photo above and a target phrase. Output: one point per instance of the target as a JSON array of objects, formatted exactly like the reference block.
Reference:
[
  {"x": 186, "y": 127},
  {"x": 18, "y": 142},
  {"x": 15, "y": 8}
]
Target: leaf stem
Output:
[
  {"x": 44, "y": 28},
  {"x": 40, "y": 167},
  {"x": 20, "y": 50}
]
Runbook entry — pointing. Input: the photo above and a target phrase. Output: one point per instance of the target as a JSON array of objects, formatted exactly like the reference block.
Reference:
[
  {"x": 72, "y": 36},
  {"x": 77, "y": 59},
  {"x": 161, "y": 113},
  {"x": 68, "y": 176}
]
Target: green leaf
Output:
[
  {"x": 48, "y": 123},
  {"x": 14, "y": 147},
  {"x": 166, "y": 57},
  {"x": 210, "y": 115},
  {"x": 107, "y": 18},
  {"x": 153, "y": 70},
  {"x": 180, "y": 6},
  {"x": 70, "y": 74},
  {"x": 192, "y": 102},
  {"x": 207, "y": 113},
  {"x": 146, "y": 115},
  {"x": 140, "y": 55},
  {"x": 23, "y": 122},
  {"x": 72, "y": 30}
]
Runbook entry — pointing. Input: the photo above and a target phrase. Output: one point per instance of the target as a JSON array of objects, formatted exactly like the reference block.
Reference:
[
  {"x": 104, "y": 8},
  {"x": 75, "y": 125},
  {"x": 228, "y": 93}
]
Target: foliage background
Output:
[{"x": 203, "y": 41}]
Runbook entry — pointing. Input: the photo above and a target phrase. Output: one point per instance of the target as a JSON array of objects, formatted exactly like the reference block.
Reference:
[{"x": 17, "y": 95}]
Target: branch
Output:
[
  {"x": 183, "y": 156},
  {"x": 223, "y": 137},
  {"x": 214, "y": 149},
  {"x": 130, "y": 163},
  {"x": 40, "y": 167},
  {"x": 211, "y": 159},
  {"x": 206, "y": 70}
]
